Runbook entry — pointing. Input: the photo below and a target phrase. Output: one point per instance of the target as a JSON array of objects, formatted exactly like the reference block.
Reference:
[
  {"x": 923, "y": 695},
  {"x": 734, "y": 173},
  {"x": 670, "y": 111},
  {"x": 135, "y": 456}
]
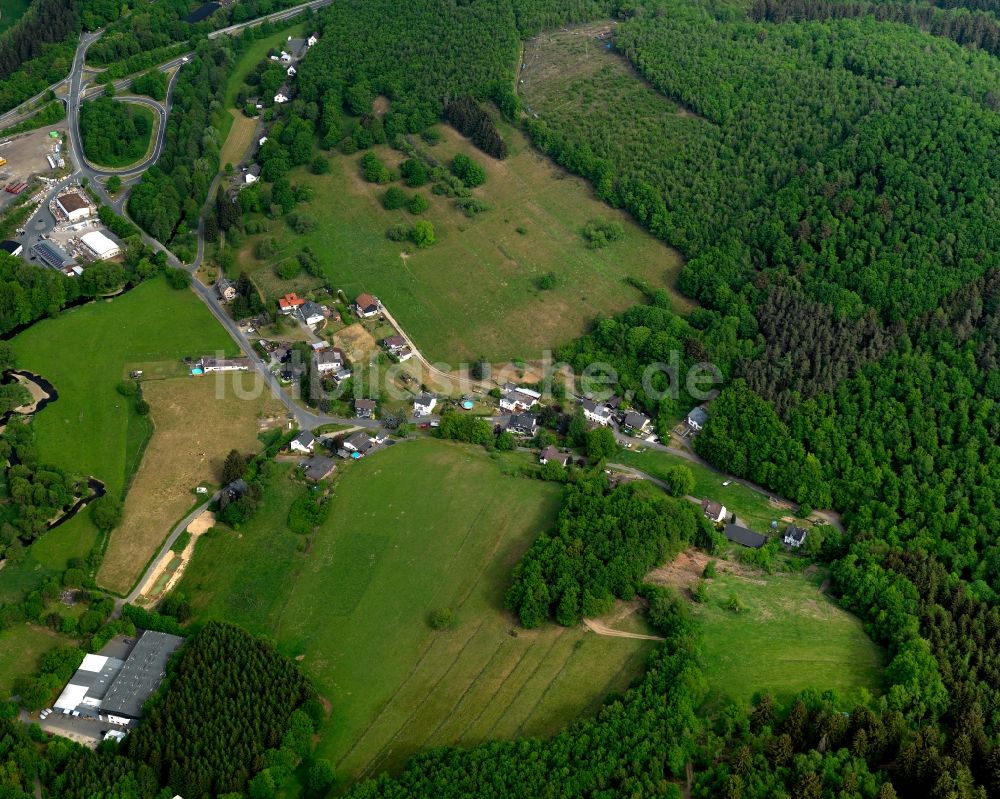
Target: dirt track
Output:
[{"x": 601, "y": 629}]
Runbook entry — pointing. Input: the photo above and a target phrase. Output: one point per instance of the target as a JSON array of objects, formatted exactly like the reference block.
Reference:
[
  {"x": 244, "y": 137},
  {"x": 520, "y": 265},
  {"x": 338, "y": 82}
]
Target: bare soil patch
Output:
[{"x": 685, "y": 571}]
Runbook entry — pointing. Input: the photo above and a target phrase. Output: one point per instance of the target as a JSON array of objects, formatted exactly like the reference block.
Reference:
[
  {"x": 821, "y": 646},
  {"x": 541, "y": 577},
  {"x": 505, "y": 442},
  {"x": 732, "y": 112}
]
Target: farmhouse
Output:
[
  {"x": 226, "y": 289},
  {"x": 424, "y": 404},
  {"x": 714, "y": 511},
  {"x": 318, "y": 467},
  {"x": 11, "y": 247},
  {"x": 741, "y": 535},
  {"x": 289, "y": 303},
  {"x": 593, "y": 412},
  {"x": 697, "y": 418},
  {"x": 366, "y": 305},
  {"x": 364, "y": 408},
  {"x": 75, "y": 207},
  {"x": 225, "y": 365},
  {"x": 522, "y": 424},
  {"x": 304, "y": 442},
  {"x": 550, "y": 453},
  {"x": 114, "y": 689},
  {"x": 100, "y": 245},
  {"x": 516, "y": 400},
  {"x": 637, "y": 423},
  {"x": 794, "y": 536}
]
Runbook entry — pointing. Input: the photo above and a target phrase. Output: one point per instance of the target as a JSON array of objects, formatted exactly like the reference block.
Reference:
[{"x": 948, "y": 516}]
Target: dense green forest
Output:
[{"x": 115, "y": 134}]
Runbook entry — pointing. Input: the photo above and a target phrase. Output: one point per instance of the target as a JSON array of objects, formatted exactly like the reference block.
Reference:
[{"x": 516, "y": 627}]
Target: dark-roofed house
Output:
[
  {"x": 304, "y": 442},
  {"x": 550, "y": 453},
  {"x": 364, "y": 408},
  {"x": 366, "y": 305},
  {"x": 318, "y": 467},
  {"x": 424, "y": 404},
  {"x": 330, "y": 360},
  {"x": 794, "y": 536},
  {"x": 522, "y": 424},
  {"x": 639, "y": 424},
  {"x": 741, "y": 535},
  {"x": 518, "y": 399},
  {"x": 359, "y": 442},
  {"x": 715, "y": 512},
  {"x": 232, "y": 492},
  {"x": 595, "y": 412},
  {"x": 697, "y": 418}
]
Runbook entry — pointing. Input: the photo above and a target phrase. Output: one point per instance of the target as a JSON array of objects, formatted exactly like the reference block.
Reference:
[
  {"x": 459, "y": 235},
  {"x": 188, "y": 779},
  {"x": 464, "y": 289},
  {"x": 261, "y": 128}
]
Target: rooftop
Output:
[
  {"x": 318, "y": 467},
  {"x": 144, "y": 670},
  {"x": 72, "y": 201},
  {"x": 366, "y": 301},
  {"x": 741, "y": 535}
]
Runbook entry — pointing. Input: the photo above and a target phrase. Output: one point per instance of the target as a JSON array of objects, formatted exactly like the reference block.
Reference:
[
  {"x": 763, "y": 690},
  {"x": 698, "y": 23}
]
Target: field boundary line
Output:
[{"x": 496, "y": 693}]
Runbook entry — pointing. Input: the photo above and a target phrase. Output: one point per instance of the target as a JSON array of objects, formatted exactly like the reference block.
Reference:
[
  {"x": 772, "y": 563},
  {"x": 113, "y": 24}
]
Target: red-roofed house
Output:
[
  {"x": 289, "y": 303},
  {"x": 366, "y": 305}
]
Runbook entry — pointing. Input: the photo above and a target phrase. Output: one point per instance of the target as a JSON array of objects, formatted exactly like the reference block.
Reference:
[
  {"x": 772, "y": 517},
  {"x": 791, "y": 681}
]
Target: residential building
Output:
[
  {"x": 312, "y": 40},
  {"x": 11, "y": 247},
  {"x": 329, "y": 360},
  {"x": 283, "y": 96},
  {"x": 100, "y": 245},
  {"x": 741, "y": 535},
  {"x": 359, "y": 442},
  {"x": 517, "y": 400},
  {"x": 522, "y": 424},
  {"x": 697, "y": 418},
  {"x": 637, "y": 423},
  {"x": 289, "y": 303},
  {"x": 550, "y": 453},
  {"x": 794, "y": 536},
  {"x": 252, "y": 175},
  {"x": 225, "y": 365},
  {"x": 366, "y": 305},
  {"x": 226, "y": 289},
  {"x": 319, "y": 467},
  {"x": 364, "y": 408},
  {"x": 424, "y": 405},
  {"x": 290, "y": 72},
  {"x": 715, "y": 512},
  {"x": 312, "y": 313},
  {"x": 394, "y": 343},
  {"x": 596, "y": 412},
  {"x": 304, "y": 442}
]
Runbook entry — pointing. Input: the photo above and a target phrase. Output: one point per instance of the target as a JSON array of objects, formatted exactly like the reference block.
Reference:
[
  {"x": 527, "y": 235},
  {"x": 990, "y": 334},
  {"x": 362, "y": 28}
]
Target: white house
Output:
[
  {"x": 697, "y": 417},
  {"x": 225, "y": 365},
  {"x": 312, "y": 40},
  {"x": 550, "y": 453},
  {"x": 312, "y": 312},
  {"x": 598, "y": 414},
  {"x": 290, "y": 72},
  {"x": 282, "y": 96},
  {"x": 331, "y": 360},
  {"x": 261, "y": 141},
  {"x": 286, "y": 58},
  {"x": 794, "y": 536},
  {"x": 639, "y": 424},
  {"x": 304, "y": 442},
  {"x": 366, "y": 305},
  {"x": 715, "y": 512},
  {"x": 424, "y": 405},
  {"x": 518, "y": 399}
]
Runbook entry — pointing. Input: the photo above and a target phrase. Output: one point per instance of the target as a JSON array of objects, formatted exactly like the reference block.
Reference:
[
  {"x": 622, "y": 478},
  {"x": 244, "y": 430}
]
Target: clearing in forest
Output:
[
  {"x": 421, "y": 526},
  {"x": 479, "y": 289}
]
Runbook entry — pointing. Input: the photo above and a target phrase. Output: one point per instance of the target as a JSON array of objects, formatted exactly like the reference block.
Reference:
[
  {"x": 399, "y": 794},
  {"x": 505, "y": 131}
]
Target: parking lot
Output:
[{"x": 25, "y": 156}]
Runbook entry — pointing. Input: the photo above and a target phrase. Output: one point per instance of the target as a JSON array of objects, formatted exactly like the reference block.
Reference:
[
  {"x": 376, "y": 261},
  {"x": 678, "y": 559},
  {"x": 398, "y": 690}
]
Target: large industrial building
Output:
[
  {"x": 114, "y": 689},
  {"x": 100, "y": 245},
  {"x": 74, "y": 205}
]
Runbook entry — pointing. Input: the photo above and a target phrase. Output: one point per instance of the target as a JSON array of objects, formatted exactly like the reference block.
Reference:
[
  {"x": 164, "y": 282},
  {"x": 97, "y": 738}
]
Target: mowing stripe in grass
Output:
[{"x": 460, "y": 738}]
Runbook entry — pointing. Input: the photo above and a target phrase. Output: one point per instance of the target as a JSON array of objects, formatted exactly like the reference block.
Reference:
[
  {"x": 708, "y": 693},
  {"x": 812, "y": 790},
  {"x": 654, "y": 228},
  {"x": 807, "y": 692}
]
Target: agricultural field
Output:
[
  {"x": 184, "y": 452},
  {"x": 532, "y": 230},
  {"x": 91, "y": 429},
  {"x": 239, "y": 139},
  {"x": 753, "y": 508},
  {"x": 789, "y": 635},
  {"x": 353, "y": 603},
  {"x": 11, "y": 11},
  {"x": 21, "y": 647}
]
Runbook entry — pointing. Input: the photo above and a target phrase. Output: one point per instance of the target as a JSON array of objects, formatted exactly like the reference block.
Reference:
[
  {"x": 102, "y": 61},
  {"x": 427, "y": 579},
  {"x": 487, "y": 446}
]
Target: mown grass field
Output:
[
  {"x": 85, "y": 353},
  {"x": 751, "y": 506},
  {"x": 11, "y": 11},
  {"x": 788, "y": 637},
  {"x": 21, "y": 648},
  {"x": 180, "y": 456},
  {"x": 476, "y": 291},
  {"x": 420, "y": 526},
  {"x": 238, "y": 141}
]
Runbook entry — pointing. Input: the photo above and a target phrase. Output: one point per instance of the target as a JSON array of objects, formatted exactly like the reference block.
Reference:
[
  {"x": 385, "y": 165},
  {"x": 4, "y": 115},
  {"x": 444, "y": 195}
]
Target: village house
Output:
[
  {"x": 741, "y": 535},
  {"x": 318, "y": 467},
  {"x": 252, "y": 175},
  {"x": 283, "y": 95},
  {"x": 522, "y": 424},
  {"x": 794, "y": 536},
  {"x": 304, "y": 442},
  {"x": 289, "y": 303},
  {"x": 290, "y": 72},
  {"x": 596, "y": 413},
  {"x": 697, "y": 418},
  {"x": 366, "y": 306},
  {"x": 226, "y": 289},
  {"x": 424, "y": 405},
  {"x": 637, "y": 424},
  {"x": 364, "y": 408},
  {"x": 550, "y": 453},
  {"x": 329, "y": 360},
  {"x": 517, "y": 400},
  {"x": 715, "y": 512},
  {"x": 312, "y": 313},
  {"x": 359, "y": 442},
  {"x": 312, "y": 40},
  {"x": 232, "y": 492}
]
